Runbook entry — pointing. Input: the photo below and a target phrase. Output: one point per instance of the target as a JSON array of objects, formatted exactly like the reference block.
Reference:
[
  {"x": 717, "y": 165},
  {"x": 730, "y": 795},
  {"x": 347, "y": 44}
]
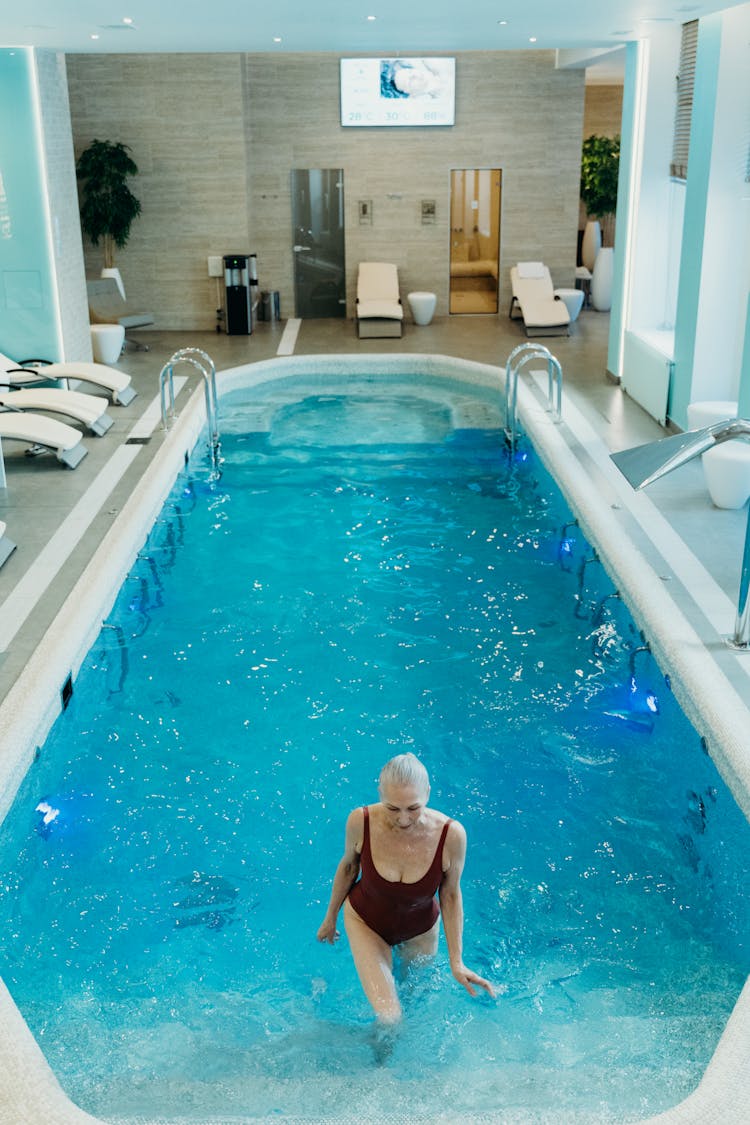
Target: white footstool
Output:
[
  {"x": 573, "y": 300},
  {"x": 727, "y": 471},
  {"x": 700, "y": 414},
  {"x": 106, "y": 342},
  {"x": 726, "y": 467},
  {"x": 422, "y": 306}
]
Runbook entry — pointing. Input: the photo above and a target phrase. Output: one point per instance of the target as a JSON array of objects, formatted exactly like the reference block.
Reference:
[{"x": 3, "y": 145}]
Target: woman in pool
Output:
[{"x": 404, "y": 854}]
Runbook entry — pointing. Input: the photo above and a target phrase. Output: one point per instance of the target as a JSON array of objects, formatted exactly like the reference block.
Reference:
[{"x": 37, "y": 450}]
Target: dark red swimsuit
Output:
[{"x": 397, "y": 911}]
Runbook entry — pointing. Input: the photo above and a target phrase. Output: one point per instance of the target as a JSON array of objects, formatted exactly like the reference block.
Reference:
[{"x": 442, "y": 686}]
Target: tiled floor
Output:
[{"x": 40, "y": 493}]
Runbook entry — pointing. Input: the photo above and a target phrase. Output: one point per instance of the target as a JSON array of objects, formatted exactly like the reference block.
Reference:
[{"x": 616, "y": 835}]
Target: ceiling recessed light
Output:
[
  {"x": 532, "y": 39},
  {"x": 277, "y": 38},
  {"x": 94, "y": 36},
  {"x": 126, "y": 19},
  {"x": 503, "y": 23},
  {"x": 372, "y": 18}
]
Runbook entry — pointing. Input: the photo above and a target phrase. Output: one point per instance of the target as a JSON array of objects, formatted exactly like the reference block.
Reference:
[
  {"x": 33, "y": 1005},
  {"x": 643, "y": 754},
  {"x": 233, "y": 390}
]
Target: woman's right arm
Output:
[{"x": 345, "y": 877}]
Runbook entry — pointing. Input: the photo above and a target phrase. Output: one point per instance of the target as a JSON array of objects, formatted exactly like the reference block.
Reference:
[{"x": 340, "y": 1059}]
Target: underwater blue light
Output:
[
  {"x": 49, "y": 813},
  {"x": 631, "y": 705},
  {"x": 643, "y": 698},
  {"x": 66, "y": 817}
]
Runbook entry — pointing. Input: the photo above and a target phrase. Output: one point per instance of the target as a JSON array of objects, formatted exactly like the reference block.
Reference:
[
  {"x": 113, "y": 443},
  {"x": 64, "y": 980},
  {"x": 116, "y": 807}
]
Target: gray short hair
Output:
[{"x": 404, "y": 769}]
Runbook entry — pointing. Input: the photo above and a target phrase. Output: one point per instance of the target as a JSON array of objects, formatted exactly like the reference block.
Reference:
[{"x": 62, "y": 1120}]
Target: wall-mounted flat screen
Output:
[{"x": 403, "y": 91}]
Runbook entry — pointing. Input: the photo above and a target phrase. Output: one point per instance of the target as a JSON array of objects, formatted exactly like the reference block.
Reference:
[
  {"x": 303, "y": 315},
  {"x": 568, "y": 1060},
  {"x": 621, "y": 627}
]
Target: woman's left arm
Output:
[{"x": 452, "y": 909}]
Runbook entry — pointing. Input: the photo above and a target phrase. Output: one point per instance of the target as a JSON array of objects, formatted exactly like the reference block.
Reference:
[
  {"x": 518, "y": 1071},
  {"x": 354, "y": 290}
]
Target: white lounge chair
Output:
[
  {"x": 534, "y": 301},
  {"x": 108, "y": 305},
  {"x": 90, "y": 410},
  {"x": 379, "y": 309},
  {"x": 7, "y": 546},
  {"x": 43, "y": 435},
  {"x": 29, "y": 372}
]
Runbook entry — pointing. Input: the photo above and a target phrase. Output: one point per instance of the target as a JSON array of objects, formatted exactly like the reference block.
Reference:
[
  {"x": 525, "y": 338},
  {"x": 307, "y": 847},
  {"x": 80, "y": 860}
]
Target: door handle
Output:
[{"x": 297, "y": 249}]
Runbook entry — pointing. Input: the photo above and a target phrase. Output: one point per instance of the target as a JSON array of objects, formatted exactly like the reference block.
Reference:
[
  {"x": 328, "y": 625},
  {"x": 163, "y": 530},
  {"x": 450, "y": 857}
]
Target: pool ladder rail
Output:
[
  {"x": 518, "y": 358},
  {"x": 203, "y": 363}
]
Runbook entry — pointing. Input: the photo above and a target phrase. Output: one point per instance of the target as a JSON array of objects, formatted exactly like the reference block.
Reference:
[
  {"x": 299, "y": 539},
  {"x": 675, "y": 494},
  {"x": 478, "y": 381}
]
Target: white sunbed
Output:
[
  {"x": 379, "y": 308},
  {"x": 115, "y": 383},
  {"x": 90, "y": 410},
  {"x": 43, "y": 434},
  {"x": 108, "y": 305},
  {"x": 534, "y": 300},
  {"x": 7, "y": 546}
]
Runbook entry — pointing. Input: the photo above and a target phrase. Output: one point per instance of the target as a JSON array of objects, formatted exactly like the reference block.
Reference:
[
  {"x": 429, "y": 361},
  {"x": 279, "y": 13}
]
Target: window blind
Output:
[{"x": 685, "y": 83}]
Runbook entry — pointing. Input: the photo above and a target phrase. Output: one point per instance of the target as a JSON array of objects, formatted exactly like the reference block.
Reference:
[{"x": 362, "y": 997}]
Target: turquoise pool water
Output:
[{"x": 364, "y": 578}]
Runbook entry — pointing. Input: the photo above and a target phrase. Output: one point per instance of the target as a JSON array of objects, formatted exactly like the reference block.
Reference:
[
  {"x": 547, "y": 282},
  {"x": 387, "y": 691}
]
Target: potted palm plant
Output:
[
  {"x": 108, "y": 206},
  {"x": 600, "y": 166}
]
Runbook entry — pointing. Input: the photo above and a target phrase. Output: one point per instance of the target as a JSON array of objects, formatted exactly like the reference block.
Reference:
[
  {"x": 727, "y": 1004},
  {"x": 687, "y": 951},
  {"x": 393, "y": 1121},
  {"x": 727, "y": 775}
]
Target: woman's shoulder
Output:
[
  {"x": 456, "y": 835},
  {"x": 355, "y": 829},
  {"x": 356, "y": 817},
  {"x": 441, "y": 819}
]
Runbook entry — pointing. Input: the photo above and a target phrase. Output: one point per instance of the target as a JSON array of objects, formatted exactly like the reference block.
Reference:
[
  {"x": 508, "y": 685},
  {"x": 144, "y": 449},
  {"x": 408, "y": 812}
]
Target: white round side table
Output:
[
  {"x": 422, "y": 306},
  {"x": 573, "y": 301},
  {"x": 107, "y": 342}
]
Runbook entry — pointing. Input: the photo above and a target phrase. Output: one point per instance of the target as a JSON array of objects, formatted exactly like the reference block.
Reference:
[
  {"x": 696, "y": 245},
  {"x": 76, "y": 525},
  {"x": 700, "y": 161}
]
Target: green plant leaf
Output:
[
  {"x": 600, "y": 166},
  {"x": 108, "y": 206}
]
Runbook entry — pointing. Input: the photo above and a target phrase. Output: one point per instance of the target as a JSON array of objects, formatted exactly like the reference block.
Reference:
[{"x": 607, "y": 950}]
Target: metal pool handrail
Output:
[
  {"x": 203, "y": 363},
  {"x": 518, "y": 358}
]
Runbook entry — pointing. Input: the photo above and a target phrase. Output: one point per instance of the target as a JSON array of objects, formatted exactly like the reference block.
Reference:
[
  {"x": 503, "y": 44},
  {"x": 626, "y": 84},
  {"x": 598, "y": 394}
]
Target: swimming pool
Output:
[{"x": 204, "y": 905}]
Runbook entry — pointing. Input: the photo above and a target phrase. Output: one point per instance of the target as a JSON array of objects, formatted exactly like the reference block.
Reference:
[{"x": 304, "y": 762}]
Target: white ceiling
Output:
[{"x": 341, "y": 26}]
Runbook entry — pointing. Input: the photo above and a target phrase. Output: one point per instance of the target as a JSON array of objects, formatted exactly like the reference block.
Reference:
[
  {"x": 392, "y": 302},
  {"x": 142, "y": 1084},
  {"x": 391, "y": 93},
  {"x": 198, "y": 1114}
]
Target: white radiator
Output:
[{"x": 647, "y": 369}]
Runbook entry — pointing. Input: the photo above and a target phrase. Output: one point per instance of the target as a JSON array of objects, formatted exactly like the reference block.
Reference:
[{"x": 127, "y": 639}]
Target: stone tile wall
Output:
[
  {"x": 216, "y": 137},
  {"x": 602, "y": 111},
  {"x": 182, "y": 117}
]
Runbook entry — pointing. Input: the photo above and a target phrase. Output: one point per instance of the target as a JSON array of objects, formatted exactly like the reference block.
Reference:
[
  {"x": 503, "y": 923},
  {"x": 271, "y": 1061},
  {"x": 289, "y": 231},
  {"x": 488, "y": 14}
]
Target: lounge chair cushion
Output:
[
  {"x": 379, "y": 308},
  {"x": 91, "y": 410},
  {"x": 7, "y": 546},
  {"x": 378, "y": 292},
  {"x": 107, "y": 305},
  {"x": 534, "y": 298},
  {"x": 38, "y": 430},
  {"x": 116, "y": 383}
]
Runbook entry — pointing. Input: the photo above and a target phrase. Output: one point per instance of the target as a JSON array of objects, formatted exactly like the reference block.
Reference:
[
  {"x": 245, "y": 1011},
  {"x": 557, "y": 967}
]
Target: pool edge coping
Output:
[{"x": 73, "y": 631}]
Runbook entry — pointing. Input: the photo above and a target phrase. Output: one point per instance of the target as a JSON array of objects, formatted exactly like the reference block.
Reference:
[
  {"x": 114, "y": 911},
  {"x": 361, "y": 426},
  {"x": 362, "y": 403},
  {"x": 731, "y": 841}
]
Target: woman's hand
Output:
[
  {"x": 328, "y": 932},
  {"x": 468, "y": 979}
]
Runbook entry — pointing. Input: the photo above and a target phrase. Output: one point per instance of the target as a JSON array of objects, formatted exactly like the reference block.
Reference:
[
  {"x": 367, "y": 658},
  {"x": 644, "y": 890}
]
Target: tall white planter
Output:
[
  {"x": 592, "y": 242},
  {"x": 601, "y": 280},
  {"x": 115, "y": 273}
]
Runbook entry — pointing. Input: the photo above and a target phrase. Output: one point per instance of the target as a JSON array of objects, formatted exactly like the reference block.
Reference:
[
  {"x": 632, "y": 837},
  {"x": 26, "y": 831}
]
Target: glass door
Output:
[
  {"x": 318, "y": 242},
  {"x": 476, "y": 196}
]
